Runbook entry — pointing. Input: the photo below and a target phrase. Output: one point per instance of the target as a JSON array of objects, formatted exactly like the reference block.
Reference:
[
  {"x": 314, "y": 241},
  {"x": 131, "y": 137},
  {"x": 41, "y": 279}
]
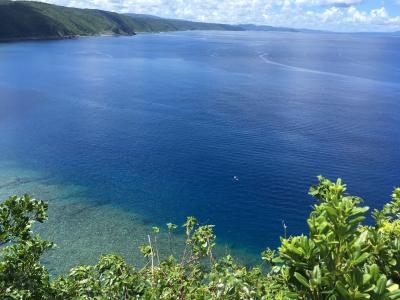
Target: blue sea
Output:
[{"x": 123, "y": 133}]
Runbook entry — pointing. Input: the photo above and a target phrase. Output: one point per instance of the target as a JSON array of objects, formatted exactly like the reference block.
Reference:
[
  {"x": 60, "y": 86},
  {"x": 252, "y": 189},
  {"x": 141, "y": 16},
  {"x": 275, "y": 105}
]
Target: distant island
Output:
[{"x": 23, "y": 20}]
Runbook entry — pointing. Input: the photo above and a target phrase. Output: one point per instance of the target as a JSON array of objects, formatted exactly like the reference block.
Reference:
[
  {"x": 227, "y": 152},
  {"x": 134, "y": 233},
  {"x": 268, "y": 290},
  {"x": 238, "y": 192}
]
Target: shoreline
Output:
[{"x": 57, "y": 38}]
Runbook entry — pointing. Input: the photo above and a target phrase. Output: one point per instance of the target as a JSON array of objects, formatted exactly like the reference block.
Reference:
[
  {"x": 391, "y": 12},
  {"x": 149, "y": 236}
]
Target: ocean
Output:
[{"x": 120, "y": 134}]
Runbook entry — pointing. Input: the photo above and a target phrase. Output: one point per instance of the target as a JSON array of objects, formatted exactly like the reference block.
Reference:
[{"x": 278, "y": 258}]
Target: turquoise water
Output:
[{"x": 120, "y": 134}]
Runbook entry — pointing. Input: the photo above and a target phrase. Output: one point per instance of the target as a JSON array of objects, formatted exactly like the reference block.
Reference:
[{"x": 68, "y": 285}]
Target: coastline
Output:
[{"x": 56, "y": 38}]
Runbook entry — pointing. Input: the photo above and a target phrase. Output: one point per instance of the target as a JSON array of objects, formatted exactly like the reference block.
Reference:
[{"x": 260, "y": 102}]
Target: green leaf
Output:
[
  {"x": 364, "y": 256},
  {"x": 302, "y": 279},
  {"x": 342, "y": 290},
  {"x": 316, "y": 275},
  {"x": 357, "y": 220},
  {"x": 381, "y": 285}
]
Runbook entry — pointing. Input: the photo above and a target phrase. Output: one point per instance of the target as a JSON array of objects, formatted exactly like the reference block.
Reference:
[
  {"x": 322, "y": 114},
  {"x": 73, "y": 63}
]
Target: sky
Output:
[{"x": 335, "y": 15}]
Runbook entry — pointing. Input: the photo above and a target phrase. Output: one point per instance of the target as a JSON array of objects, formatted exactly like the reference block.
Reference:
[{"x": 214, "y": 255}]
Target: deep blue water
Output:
[{"x": 161, "y": 124}]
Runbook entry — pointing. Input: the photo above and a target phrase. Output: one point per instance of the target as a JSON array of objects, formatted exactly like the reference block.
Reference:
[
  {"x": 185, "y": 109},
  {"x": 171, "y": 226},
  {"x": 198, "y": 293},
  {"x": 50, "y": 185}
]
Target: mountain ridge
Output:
[{"x": 31, "y": 20}]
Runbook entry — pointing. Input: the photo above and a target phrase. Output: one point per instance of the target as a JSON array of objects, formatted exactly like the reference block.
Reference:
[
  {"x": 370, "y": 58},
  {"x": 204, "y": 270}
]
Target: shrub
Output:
[{"x": 340, "y": 258}]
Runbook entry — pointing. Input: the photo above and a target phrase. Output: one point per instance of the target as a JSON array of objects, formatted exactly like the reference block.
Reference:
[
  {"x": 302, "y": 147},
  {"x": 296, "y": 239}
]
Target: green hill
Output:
[
  {"x": 36, "y": 20},
  {"x": 157, "y": 24}
]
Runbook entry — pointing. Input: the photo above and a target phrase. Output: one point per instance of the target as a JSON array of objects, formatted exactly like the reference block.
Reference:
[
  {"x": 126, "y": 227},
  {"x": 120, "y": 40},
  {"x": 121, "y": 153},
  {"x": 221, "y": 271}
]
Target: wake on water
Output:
[{"x": 265, "y": 59}]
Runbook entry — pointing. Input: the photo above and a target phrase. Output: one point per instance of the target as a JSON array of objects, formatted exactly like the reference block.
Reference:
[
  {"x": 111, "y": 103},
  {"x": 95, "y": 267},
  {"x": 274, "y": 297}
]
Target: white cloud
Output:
[
  {"x": 376, "y": 17},
  {"x": 329, "y": 3}
]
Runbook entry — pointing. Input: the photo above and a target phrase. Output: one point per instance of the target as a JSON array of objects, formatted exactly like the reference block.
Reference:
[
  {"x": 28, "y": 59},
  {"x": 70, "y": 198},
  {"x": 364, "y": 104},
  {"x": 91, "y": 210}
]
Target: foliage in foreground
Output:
[{"x": 340, "y": 259}]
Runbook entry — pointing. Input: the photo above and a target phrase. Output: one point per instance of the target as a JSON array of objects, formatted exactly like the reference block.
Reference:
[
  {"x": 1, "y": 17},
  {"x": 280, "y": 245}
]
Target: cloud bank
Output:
[{"x": 338, "y": 15}]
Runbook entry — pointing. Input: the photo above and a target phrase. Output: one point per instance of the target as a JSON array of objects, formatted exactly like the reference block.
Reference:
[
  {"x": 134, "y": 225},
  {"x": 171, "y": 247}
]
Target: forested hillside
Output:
[{"x": 36, "y": 20}]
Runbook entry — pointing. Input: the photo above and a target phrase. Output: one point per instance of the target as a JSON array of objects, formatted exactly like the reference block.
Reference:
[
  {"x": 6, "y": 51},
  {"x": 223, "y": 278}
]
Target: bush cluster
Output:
[{"x": 340, "y": 258}]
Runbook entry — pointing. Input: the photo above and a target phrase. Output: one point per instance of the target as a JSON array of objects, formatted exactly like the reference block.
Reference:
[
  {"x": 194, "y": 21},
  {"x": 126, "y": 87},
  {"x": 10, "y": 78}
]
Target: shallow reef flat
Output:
[{"x": 83, "y": 229}]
